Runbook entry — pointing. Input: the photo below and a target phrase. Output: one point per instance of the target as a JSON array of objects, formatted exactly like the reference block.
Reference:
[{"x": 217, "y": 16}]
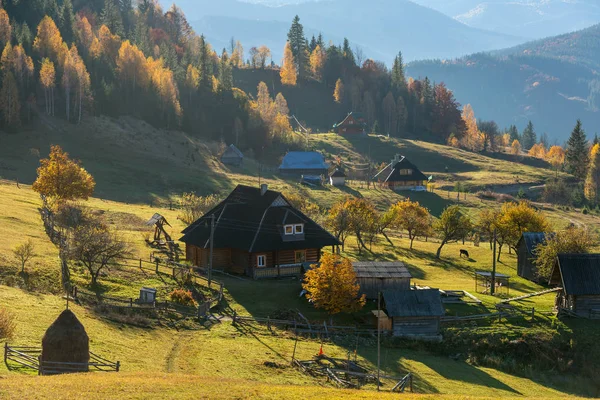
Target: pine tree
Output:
[
  {"x": 593, "y": 176},
  {"x": 111, "y": 17},
  {"x": 576, "y": 158},
  {"x": 288, "y": 69},
  {"x": 514, "y": 133},
  {"x": 529, "y": 137},
  {"x": 297, "y": 43},
  {"x": 348, "y": 53},
  {"x": 398, "y": 77},
  {"x": 67, "y": 22}
]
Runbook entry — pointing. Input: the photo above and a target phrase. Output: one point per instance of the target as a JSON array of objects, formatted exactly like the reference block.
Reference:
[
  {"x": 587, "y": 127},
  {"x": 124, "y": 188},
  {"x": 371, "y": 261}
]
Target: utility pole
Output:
[
  {"x": 212, "y": 239},
  {"x": 493, "y": 283},
  {"x": 378, "y": 338}
]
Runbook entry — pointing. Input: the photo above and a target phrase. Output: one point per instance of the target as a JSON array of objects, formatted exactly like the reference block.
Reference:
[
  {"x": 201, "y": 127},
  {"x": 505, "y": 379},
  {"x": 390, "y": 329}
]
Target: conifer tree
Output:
[
  {"x": 529, "y": 137},
  {"x": 514, "y": 133},
  {"x": 593, "y": 176},
  {"x": 67, "y": 22},
  {"x": 111, "y": 17},
  {"x": 348, "y": 53},
  {"x": 298, "y": 46},
  {"x": 576, "y": 158},
  {"x": 398, "y": 77}
]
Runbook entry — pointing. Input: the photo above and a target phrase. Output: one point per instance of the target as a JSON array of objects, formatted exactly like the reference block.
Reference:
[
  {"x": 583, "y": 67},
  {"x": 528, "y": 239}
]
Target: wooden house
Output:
[
  {"x": 353, "y": 124},
  {"x": 414, "y": 313},
  {"x": 337, "y": 178},
  {"x": 257, "y": 232},
  {"x": 401, "y": 174},
  {"x": 376, "y": 276},
  {"x": 298, "y": 163},
  {"x": 526, "y": 267},
  {"x": 232, "y": 156},
  {"x": 579, "y": 277}
]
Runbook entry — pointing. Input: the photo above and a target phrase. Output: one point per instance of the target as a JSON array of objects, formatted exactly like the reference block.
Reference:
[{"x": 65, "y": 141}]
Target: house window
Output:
[
  {"x": 299, "y": 229},
  {"x": 261, "y": 261},
  {"x": 300, "y": 256},
  {"x": 289, "y": 229}
]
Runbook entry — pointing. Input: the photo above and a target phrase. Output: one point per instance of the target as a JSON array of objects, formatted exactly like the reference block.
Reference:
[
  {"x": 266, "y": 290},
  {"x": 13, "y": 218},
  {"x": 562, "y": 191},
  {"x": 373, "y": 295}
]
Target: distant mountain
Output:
[
  {"x": 552, "y": 82},
  {"x": 527, "y": 18},
  {"x": 380, "y": 27}
]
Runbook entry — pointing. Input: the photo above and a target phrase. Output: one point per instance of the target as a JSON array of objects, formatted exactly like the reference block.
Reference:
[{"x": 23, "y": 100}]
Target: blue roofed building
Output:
[{"x": 297, "y": 163}]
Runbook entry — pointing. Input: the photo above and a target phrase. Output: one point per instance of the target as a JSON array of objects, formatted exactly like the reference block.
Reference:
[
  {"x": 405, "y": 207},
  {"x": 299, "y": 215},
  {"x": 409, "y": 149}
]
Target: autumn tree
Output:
[
  {"x": 5, "y": 28},
  {"x": 237, "y": 55},
  {"x": 538, "y": 151},
  {"x": 96, "y": 247},
  {"x": 515, "y": 147},
  {"x": 288, "y": 69},
  {"x": 333, "y": 286},
  {"x": 48, "y": 42},
  {"x": 61, "y": 178},
  {"x": 556, "y": 157},
  {"x": 317, "y": 62},
  {"x": 338, "y": 221},
  {"x": 473, "y": 139},
  {"x": 48, "y": 79},
  {"x": 486, "y": 224},
  {"x": 576, "y": 155},
  {"x": 572, "y": 240},
  {"x": 338, "y": 93},
  {"x": 411, "y": 217},
  {"x": 446, "y": 117},
  {"x": 517, "y": 218},
  {"x": 192, "y": 81},
  {"x": 452, "y": 225},
  {"x": 24, "y": 252},
  {"x": 592, "y": 181}
]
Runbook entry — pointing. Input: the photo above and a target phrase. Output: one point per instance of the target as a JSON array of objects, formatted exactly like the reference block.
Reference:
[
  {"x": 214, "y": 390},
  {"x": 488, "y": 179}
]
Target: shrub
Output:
[
  {"x": 7, "y": 324},
  {"x": 183, "y": 297}
]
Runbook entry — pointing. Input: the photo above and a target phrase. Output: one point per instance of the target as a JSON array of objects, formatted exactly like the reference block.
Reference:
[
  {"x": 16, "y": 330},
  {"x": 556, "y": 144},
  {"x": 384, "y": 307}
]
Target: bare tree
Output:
[
  {"x": 24, "y": 252},
  {"x": 97, "y": 248},
  {"x": 359, "y": 54}
]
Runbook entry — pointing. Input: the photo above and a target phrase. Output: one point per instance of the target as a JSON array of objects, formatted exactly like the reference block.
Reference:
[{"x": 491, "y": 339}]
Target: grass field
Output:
[{"x": 139, "y": 169}]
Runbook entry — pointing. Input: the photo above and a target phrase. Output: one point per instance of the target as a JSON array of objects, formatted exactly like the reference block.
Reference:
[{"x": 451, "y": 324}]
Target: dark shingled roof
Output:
[
  {"x": 391, "y": 173},
  {"x": 338, "y": 173},
  {"x": 378, "y": 269},
  {"x": 358, "y": 117},
  {"x": 252, "y": 222},
  {"x": 413, "y": 303},
  {"x": 532, "y": 240},
  {"x": 580, "y": 273}
]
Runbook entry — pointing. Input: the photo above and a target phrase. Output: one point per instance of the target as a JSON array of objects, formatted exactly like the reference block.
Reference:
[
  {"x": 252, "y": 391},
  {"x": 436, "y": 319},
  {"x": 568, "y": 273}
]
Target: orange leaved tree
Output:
[
  {"x": 333, "y": 286},
  {"x": 60, "y": 178}
]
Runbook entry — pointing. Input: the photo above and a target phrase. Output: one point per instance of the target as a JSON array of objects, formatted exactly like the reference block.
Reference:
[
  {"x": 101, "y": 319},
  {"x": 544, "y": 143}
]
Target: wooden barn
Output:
[
  {"x": 257, "y": 232},
  {"x": 579, "y": 277},
  {"x": 401, "y": 174},
  {"x": 298, "y": 163},
  {"x": 378, "y": 276},
  {"x": 337, "y": 177},
  {"x": 414, "y": 313},
  {"x": 232, "y": 156},
  {"x": 526, "y": 254},
  {"x": 353, "y": 124}
]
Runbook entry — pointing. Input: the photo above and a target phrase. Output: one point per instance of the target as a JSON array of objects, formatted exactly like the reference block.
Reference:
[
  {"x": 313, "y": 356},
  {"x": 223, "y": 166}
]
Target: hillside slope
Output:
[
  {"x": 381, "y": 27},
  {"x": 551, "y": 82}
]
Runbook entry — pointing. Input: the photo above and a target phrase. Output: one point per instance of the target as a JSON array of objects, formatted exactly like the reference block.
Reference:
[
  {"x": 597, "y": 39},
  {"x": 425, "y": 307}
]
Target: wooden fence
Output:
[
  {"x": 280, "y": 271},
  {"x": 30, "y": 357}
]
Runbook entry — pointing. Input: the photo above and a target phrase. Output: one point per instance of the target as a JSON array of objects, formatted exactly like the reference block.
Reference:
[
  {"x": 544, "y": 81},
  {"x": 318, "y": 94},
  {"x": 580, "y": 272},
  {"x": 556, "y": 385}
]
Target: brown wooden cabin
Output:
[
  {"x": 414, "y": 313},
  {"x": 257, "y": 233},
  {"x": 232, "y": 156},
  {"x": 376, "y": 276},
  {"x": 400, "y": 174},
  {"x": 526, "y": 267},
  {"x": 353, "y": 124},
  {"x": 579, "y": 277}
]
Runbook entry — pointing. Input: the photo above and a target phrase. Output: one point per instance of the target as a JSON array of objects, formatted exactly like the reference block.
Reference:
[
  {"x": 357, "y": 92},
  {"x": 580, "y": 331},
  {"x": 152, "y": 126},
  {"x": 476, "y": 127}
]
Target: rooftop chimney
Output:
[
  {"x": 396, "y": 160},
  {"x": 263, "y": 189}
]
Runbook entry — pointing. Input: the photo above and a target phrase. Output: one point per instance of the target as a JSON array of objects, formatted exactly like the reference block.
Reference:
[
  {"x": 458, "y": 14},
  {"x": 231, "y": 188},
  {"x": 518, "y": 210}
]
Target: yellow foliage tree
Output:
[
  {"x": 60, "y": 178},
  {"x": 48, "y": 42},
  {"x": 338, "y": 93},
  {"x": 338, "y": 220},
  {"x": 516, "y": 218},
  {"x": 192, "y": 81},
  {"x": 132, "y": 69},
  {"x": 317, "y": 62},
  {"x": 5, "y": 28},
  {"x": 333, "y": 286},
  {"x": 412, "y": 217},
  {"x": 109, "y": 43},
  {"x": 538, "y": 150},
  {"x": 48, "y": 81},
  {"x": 556, "y": 157},
  {"x": 85, "y": 34},
  {"x": 515, "y": 147},
  {"x": 593, "y": 176},
  {"x": 288, "y": 68},
  {"x": 473, "y": 139},
  {"x": 164, "y": 82}
]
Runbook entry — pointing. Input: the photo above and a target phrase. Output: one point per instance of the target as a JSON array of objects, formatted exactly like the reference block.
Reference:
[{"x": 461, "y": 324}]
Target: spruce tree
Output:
[
  {"x": 67, "y": 21},
  {"x": 529, "y": 137},
  {"x": 348, "y": 53},
  {"x": 514, "y": 133},
  {"x": 576, "y": 157},
  {"x": 398, "y": 77},
  {"x": 111, "y": 17},
  {"x": 298, "y": 46}
]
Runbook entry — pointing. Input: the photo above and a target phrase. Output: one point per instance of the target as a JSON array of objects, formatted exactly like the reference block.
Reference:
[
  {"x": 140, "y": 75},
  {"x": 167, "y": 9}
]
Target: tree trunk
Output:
[
  {"x": 412, "y": 239},
  {"x": 499, "y": 251},
  {"x": 387, "y": 238},
  {"x": 439, "y": 250}
]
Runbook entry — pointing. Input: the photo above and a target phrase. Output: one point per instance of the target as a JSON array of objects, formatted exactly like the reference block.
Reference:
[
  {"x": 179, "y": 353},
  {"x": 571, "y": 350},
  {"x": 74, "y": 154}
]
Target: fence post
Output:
[
  {"x": 532, "y": 313},
  {"x": 234, "y": 315},
  {"x": 140, "y": 263},
  {"x": 156, "y": 261},
  {"x": 5, "y": 352},
  {"x": 173, "y": 272},
  {"x": 118, "y": 366},
  {"x": 130, "y": 302},
  {"x": 269, "y": 324}
]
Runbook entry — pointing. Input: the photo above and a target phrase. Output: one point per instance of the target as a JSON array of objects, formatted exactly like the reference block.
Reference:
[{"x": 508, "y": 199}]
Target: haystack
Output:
[{"x": 65, "y": 341}]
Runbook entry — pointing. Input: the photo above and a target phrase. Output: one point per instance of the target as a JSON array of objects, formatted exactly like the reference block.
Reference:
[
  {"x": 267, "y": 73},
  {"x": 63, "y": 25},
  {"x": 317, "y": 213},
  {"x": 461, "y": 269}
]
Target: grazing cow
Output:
[{"x": 465, "y": 253}]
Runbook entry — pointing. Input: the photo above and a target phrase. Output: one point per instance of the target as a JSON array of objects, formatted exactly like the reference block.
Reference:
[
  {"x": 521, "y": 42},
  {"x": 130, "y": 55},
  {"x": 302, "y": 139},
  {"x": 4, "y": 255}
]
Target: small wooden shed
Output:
[
  {"x": 526, "y": 254},
  {"x": 337, "y": 178},
  {"x": 232, "y": 156},
  {"x": 414, "y": 313},
  {"x": 377, "y": 276},
  {"x": 579, "y": 277}
]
